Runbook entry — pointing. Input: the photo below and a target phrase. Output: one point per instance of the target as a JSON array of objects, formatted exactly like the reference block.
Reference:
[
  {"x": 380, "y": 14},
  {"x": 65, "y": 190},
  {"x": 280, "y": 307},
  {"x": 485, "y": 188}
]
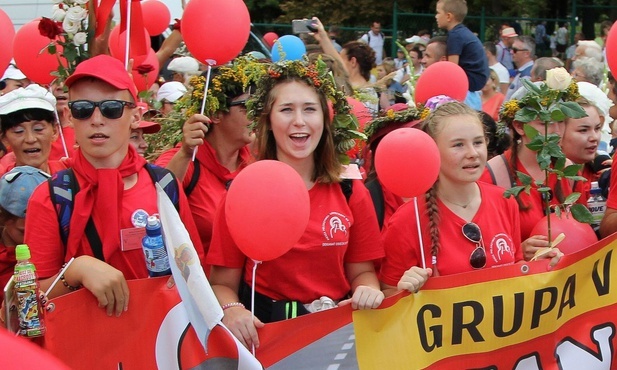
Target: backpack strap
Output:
[
  {"x": 510, "y": 173},
  {"x": 62, "y": 190},
  {"x": 374, "y": 188},
  {"x": 490, "y": 172},
  {"x": 166, "y": 179},
  {"x": 196, "y": 172}
]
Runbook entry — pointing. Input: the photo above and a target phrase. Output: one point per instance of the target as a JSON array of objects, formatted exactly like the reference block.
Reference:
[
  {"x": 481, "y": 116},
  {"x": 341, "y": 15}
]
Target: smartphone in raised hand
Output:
[{"x": 303, "y": 26}]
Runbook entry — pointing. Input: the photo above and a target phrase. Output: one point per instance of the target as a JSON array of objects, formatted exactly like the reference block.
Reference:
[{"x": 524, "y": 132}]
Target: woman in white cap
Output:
[
  {"x": 27, "y": 127},
  {"x": 12, "y": 79},
  {"x": 168, "y": 93}
]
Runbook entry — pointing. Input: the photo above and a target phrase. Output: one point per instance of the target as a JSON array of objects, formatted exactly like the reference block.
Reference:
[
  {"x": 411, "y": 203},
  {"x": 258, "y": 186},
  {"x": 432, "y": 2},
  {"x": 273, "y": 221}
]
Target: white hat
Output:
[
  {"x": 599, "y": 99},
  {"x": 184, "y": 65},
  {"x": 171, "y": 91},
  {"x": 508, "y": 32},
  {"x": 13, "y": 73},
  {"x": 416, "y": 39},
  {"x": 31, "y": 96}
]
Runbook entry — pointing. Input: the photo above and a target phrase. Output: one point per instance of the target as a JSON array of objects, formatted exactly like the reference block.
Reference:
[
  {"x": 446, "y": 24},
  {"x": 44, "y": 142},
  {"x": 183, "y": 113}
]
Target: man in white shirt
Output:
[
  {"x": 375, "y": 39},
  {"x": 502, "y": 72}
]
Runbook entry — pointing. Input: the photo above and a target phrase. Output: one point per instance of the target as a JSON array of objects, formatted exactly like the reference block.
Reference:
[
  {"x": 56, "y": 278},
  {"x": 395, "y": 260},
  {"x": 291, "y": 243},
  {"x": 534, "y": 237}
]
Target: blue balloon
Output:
[{"x": 288, "y": 47}]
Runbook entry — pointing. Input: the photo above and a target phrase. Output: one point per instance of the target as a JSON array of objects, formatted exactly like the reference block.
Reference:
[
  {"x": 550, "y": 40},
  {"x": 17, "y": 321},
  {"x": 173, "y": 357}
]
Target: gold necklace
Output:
[{"x": 456, "y": 204}]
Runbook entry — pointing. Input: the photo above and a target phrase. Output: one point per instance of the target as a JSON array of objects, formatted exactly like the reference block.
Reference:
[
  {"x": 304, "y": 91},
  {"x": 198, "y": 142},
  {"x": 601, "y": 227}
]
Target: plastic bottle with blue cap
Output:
[{"x": 155, "y": 252}]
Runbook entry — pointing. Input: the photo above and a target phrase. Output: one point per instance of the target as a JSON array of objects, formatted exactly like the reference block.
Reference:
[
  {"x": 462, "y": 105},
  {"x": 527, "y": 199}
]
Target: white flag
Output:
[{"x": 203, "y": 309}]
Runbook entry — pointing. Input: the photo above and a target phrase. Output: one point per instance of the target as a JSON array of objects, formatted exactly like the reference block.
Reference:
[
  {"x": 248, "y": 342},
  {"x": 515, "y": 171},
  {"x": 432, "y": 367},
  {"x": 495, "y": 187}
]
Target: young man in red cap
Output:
[{"x": 116, "y": 193}]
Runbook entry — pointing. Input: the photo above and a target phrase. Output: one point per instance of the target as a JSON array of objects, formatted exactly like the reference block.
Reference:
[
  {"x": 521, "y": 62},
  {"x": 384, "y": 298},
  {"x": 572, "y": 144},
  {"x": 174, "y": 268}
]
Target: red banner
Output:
[{"x": 514, "y": 317}]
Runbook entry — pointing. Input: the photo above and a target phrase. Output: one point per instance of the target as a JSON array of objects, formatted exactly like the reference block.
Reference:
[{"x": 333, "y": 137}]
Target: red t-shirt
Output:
[
  {"x": 497, "y": 218},
  {"x": 57, "y": 150},
  {"x": 209, "y": 189},
  {"x": 315, "y": 266},
  {"x": 535, "y": 208},
  {"x": 492, "y": 106},
  {"x": 48, "y": 251}
]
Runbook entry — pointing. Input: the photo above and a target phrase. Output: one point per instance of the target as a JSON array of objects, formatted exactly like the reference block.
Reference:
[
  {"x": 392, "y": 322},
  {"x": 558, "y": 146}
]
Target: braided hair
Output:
[{"x": 432, "y": 125}]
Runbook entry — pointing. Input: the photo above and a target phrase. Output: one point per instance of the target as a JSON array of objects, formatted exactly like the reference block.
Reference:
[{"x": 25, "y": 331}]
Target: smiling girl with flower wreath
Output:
[
  {"x": 334, "y": 257},
  {"x": 535, "y": 117}
]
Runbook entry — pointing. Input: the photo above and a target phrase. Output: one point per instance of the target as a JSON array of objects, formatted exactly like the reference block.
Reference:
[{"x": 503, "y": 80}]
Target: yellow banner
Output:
[{"x": 516, "y": 307}]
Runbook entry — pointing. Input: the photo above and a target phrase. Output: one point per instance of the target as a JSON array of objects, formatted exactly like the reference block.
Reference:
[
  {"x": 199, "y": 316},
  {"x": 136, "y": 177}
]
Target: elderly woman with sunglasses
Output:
[{"x": 467, "y": 225}]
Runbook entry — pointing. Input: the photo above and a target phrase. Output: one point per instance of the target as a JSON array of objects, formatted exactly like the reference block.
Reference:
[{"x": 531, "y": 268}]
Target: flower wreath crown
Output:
[
  {"x": 541, "y": 101},
  {"x": 231, "y": 80},
  {"x": 393, "y": 117},
  {"x": 345, "y": 125}
]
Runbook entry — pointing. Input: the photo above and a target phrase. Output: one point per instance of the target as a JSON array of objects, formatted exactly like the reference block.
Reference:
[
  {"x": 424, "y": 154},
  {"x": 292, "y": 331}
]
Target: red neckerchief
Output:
[
  {"x": 101, "y": 193},
  {"x": 206, "y": 155}
]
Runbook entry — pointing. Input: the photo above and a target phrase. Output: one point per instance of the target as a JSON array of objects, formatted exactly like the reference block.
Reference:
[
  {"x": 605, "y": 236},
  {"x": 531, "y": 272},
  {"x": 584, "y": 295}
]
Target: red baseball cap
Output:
[
  {"x": 149, "y": 127},
  {"x": 107, "y": 69}
]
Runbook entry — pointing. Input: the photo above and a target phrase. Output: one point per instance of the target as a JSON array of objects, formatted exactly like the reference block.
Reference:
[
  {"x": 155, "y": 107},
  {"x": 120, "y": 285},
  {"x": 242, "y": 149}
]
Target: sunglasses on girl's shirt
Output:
[
  {"x": 472, "y": 232},
  {"x": 112, "y": 109}
]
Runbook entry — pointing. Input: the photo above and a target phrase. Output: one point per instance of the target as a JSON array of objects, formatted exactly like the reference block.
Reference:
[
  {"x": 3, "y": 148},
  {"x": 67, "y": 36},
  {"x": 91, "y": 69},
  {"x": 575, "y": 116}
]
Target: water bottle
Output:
[
  {"x": 29, "y": 308},
  {"x": 596, "y": 204},
  {"x": 157, "y": 261}
]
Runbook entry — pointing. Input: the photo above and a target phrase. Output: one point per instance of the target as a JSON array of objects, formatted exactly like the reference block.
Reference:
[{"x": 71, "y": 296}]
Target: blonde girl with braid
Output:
[{"x": 466, "y": 225}]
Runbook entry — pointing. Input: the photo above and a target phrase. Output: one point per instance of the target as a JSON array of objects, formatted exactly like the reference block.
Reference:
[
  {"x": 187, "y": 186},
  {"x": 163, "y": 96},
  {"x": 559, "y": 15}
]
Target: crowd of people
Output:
[{"x": 78, "y": 200}]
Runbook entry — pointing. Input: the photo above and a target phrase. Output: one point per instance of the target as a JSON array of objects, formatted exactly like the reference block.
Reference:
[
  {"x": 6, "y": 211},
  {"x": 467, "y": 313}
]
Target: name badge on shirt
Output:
[{"x": 130, "y": 238}]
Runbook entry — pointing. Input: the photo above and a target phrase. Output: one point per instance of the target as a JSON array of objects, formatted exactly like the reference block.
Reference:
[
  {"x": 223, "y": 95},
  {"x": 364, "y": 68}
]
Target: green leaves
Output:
[
  {"x": 546, "y": 105},
  {"x": 572, "y": 109},
  {"x": 526, "y": 114},
  {"x": 581, "y": 213}
]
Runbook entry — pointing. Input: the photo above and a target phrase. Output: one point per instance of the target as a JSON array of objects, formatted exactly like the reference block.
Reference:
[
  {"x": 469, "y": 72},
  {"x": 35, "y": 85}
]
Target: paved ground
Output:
[{"x": 336, "y": 351}]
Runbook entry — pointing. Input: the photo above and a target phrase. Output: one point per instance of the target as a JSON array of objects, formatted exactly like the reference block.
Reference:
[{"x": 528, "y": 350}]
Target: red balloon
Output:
[
  {"x": 21, "y": 353},
  {"x": 267, "y": 209},
  {"x": 31, "y": 55},
  {"x": 117, "y": 44},
  {"x": 360, "y": 111},
  {"x": 442, "y": 78},
  {"x": 269, "y": 39},
  {"x": 611, "y": 49},
  {"x": 578, "y": 235},
  {"x": 215, "y": 31},
  {"x": 7, "y": 34},
  {"x": 143, "y": 81},
  {"x": 407, "y": 162},
  {"x": 156, "y": 16}
]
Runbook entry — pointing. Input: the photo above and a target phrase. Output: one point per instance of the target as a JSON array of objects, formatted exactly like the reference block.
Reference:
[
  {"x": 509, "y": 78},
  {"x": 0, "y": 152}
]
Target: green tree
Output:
[
  {"x": 264, "y": 11},
  {"x": 356, "y": 13}
]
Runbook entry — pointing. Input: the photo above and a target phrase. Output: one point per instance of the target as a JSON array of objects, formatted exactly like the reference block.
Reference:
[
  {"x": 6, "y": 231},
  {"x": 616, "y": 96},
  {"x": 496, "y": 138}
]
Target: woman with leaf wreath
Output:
[
  {"x": 326, "y": 266},
  {"x": 221, "y": 138},
  {"x": 535, "y": 170}
]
